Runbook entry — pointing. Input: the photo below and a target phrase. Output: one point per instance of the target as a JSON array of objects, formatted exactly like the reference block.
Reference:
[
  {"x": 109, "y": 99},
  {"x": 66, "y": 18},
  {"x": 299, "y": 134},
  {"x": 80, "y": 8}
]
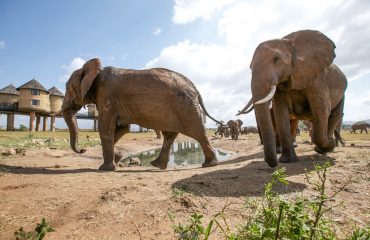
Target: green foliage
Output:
[
  {"x": 361, "y": 234},
  {"x": 22, "y": 128},
  {"x": 178, "y": 192},
  {"x": 37, "y": 234},
  {"x": 194, "y": 229},
  {"x": 276, "y": 217}
]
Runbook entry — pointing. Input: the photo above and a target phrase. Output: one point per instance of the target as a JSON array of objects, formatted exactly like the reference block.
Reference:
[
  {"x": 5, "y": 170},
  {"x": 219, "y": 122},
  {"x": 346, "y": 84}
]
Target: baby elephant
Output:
[{"x": 155, "y": 98}]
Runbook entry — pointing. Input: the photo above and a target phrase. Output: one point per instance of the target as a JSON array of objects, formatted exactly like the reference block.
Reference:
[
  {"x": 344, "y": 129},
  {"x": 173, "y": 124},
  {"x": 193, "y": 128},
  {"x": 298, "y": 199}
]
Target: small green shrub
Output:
[
  {"x": 22, "y": 128},
  {"x": 37, "y": 234}
]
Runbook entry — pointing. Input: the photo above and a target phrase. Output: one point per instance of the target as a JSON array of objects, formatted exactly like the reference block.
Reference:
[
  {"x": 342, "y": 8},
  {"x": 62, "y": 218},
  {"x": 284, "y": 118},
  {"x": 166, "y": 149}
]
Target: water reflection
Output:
[{"x": 182, "y": 153}]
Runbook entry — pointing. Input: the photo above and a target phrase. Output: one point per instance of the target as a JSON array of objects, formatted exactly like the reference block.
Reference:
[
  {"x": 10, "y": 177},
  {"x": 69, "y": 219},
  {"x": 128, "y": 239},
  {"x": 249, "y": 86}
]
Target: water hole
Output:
[{"x": 182, "y": 154}]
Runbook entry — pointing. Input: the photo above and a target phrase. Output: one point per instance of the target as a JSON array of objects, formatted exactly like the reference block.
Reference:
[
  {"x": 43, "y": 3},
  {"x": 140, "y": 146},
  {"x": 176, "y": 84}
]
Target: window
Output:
[
  {"x": 35, "y": 92},
  {"x": 35, "y": 102}
]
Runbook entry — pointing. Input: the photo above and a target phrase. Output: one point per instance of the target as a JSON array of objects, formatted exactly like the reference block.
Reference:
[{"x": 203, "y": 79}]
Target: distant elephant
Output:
[
  {"x": 240, "y": 122},
  {"x": 359, "y": 126},
  {"x": 152, "y": 98},
  {"x": 222, "y": 130},
  {"x": 234, "y": 129},
  {"x": 297, "y": 74},
  {"x": 158, "y": 133}
]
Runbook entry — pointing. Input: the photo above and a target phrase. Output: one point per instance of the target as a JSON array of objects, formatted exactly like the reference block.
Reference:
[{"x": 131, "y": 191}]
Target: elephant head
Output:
[
  {"x": 76, "y": 89},
  {"x": 291, "y": 63}
]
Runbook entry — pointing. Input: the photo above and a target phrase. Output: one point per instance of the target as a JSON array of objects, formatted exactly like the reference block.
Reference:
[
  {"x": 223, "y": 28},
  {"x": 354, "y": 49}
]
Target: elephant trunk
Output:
[
  {"x": 267, "y": 132},
  {"x": 71, "y": 120}
]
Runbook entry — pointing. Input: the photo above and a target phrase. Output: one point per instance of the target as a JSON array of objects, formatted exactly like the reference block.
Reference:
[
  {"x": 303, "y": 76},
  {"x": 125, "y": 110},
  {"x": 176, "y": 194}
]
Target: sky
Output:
[{"x": 209, "y": 41}]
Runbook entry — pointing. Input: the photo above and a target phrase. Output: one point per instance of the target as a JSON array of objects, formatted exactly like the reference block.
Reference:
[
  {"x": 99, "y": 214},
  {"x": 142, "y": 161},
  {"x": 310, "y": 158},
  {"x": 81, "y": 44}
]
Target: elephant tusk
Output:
[
  {"x": 268, "y": 97},
  {"x": 243, "y": 111}
]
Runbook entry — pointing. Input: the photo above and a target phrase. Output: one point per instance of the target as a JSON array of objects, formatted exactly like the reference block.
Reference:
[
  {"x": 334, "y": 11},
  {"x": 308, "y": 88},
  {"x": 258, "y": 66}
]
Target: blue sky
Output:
[{"x": 210, "y": 41}]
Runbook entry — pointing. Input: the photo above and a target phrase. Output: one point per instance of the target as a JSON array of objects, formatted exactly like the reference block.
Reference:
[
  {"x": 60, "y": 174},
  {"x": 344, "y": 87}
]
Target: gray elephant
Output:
[
  {"x": 234, "y": 129},
  {"x": 240, "y": 123},
  {"x": 297, "y": 73},
  {"x": 153, "y": 98},
  {"x": 359, "y": 126},
  {"x": 222, "y": 130}
]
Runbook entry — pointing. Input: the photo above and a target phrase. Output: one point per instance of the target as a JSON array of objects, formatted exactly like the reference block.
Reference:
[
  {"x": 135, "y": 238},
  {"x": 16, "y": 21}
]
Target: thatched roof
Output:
[
  {"x": 10, "y": 89},
  {"x": 55, "y": 92},
  {"x": 33, "y": 84}
]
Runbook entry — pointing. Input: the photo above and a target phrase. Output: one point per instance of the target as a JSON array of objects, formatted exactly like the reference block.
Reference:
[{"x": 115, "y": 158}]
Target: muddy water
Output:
[{"x": 182, "y": 154}]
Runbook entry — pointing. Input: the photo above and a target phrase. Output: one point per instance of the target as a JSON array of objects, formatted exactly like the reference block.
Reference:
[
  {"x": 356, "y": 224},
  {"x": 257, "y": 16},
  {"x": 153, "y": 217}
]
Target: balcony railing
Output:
[{"x": 9, "y": 106}]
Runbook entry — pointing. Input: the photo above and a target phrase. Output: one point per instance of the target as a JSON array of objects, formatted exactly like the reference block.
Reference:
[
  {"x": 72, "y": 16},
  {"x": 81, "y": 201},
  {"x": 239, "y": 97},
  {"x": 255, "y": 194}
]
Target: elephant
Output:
[
  {"x": 240, "y": 122},
  {"x": 293, "y": 126},
  {"x": 359, "y": 126},
  {"x": 222, "y": 130},
  {"x": 234, "y": 129},
  {"x": 157, "y": 133},
  {"x": 154, "y": 98},
  {"x": 297, "y": 74}
]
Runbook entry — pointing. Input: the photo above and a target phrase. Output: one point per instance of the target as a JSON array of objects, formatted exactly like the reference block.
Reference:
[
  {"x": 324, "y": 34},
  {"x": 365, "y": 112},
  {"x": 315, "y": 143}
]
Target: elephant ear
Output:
[
  {"x": 89, "y": 72},
  {"x": 312, "y": 53}
]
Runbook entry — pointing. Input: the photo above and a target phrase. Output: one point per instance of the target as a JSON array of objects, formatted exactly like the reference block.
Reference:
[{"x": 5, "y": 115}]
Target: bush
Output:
[
  {"x": 277, "y": 218},
  {"x": 38, "y": 234}
]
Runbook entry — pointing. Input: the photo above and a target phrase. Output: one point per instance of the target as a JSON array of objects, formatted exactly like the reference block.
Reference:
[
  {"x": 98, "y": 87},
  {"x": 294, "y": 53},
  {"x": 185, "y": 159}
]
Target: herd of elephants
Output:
[{"x": 293, "y": 78}]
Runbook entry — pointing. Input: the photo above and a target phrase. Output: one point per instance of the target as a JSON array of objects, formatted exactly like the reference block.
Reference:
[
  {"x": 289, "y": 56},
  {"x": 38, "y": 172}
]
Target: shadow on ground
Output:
[
  {"x": 248, "y": 180},
  {"x": 41, "y": 170}
]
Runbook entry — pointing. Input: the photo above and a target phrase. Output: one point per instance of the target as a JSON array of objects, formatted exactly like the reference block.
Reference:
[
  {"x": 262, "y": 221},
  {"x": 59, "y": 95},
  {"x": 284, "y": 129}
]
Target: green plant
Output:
[
  {"x": 361, "y": 234},
  {"x": 22, "y": 128},
  {"x": 178, "y": 192},
  {"x": 278, "y": 218},
  {"x": 37, "y": 234},
  {"x": 194, "y": 230}
]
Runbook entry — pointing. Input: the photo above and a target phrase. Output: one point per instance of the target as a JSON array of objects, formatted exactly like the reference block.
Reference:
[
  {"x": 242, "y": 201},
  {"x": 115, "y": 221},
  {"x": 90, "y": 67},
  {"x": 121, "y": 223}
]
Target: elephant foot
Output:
[
  {"x": 159, "y": 164},
  {"x": 107, "y": 167},
  {"x": 210, "y": 163},
  {"x": 117, "y": 157},
  {"x": 284, "y": 158},
  {"x": 323, "y": 151}
]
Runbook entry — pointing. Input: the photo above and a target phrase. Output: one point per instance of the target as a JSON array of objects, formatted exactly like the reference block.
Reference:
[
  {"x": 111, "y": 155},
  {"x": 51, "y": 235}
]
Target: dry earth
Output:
[{"x": 135, "y": 202}]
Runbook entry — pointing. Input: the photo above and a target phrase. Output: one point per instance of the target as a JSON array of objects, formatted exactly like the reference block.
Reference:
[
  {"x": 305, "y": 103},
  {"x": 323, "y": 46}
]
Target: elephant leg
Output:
[
  {"x": 162, "y": 160},
  {"x": 282, "y": 118},
  {"x": 293, "y": 130},
  {"x": 120, "y": 131},
  {"x": 107, "y": 141}
]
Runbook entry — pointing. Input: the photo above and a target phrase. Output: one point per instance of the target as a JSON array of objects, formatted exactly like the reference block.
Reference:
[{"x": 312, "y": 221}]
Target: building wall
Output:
[
  {"x": 56, "y": 103},
  {"x": 8, "y": 98},
  {"x": 25, "y": 101},
  {"x": 8, "y": 101}
]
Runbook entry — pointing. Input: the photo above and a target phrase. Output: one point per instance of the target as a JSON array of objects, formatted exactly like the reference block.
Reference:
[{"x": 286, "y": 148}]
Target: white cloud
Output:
[
  {"x": 75, "y": 64},
  {"x": 221, "y": 70},
  {"x": 2, "y": 44},
  {"x": 187, "y": 11},
  {"x": 157, "y": 31}
]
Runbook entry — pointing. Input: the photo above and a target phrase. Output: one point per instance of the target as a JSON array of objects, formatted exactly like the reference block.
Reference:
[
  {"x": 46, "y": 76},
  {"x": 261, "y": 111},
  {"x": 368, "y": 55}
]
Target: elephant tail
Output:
[{"x": 205, "y": 111}]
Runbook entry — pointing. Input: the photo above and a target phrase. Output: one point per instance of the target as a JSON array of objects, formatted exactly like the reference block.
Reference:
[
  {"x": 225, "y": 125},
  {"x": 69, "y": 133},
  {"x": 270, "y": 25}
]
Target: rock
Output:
[
  {"x": 8, "y": 152},
  {"x": 134, "y": 161},
  {"x": 20, "y": 151}
]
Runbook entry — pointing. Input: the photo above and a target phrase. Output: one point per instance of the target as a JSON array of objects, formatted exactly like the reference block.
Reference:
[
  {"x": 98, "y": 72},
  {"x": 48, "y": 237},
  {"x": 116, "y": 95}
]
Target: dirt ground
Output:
[{"x": 135, "y": 202}]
